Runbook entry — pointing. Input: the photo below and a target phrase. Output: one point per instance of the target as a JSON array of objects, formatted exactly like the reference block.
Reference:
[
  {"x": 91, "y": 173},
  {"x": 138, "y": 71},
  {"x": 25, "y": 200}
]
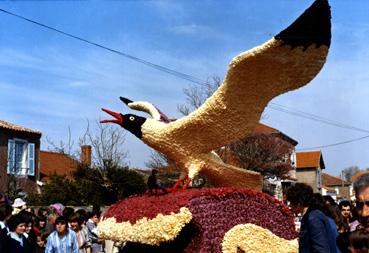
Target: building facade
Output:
[
  {"x": 19, "y": 158},
  {"x": 336, "y": 187},
  {"x": 309, "y": 167}
]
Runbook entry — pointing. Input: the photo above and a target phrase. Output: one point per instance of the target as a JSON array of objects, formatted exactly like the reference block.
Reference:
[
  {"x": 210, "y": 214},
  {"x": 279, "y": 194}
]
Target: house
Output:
[
  {"x": 337, "y": 187},
  {"x": 262, "y": 128},
  {"x": 19, "y": 158},
  {"x": 359, "y": 174},
  {"x": 309, "y": 166},
  {"x": 56, "y": 163},
  {"x": 329, "y": 191}
]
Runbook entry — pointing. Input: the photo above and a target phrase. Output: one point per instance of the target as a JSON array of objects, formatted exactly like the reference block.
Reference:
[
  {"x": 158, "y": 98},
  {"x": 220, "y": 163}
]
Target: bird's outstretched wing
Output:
[
  {"x": 147, "y": 107},
  {"x": 288, "y": 61}
]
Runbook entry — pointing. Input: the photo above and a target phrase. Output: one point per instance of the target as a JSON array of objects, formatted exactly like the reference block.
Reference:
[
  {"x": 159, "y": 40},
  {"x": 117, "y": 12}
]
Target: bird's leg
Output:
[
  {"x": 193, "y": 170},
  {"x": 177, "y": 183},
  {"x": 188, "y": 181},
  {"x": 182, "y": 177}
]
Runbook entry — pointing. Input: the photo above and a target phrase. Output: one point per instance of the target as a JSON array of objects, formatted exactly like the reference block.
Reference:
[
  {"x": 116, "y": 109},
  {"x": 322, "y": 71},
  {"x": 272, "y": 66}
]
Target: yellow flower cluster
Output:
[
  {"x": 255, "y": 239},
  {"x": 162, "y": 228}
]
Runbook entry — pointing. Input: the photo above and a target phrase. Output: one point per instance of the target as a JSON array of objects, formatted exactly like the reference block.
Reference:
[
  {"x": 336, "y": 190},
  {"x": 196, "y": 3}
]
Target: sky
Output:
[{"x": 50, "y": 82}]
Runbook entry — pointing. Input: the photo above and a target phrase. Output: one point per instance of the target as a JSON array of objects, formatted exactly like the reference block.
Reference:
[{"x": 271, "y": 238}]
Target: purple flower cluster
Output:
[{"x": 219, "y": 211}]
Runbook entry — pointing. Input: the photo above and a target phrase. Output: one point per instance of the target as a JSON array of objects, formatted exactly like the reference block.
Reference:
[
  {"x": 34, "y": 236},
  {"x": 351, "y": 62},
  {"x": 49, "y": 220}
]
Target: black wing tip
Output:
[
  {"x": 312, "y": 27},
  {"x": 125, "y": 100}
]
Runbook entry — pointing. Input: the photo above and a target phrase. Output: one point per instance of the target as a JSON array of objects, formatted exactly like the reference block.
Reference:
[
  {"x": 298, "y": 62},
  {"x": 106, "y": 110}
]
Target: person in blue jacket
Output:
[{"x": 316, "y": 232}]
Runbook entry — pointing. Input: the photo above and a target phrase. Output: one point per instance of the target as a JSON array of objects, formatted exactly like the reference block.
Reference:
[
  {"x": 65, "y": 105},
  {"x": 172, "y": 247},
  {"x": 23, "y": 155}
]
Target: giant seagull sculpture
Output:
[{"x": 286, "y": 62}]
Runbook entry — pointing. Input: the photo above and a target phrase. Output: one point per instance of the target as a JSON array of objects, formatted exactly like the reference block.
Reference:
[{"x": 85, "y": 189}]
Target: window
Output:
[{"x": 21, "y": 157}]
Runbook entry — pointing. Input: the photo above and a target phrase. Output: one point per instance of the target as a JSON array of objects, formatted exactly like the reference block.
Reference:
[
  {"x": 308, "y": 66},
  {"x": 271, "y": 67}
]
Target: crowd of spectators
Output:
[
  {"x": 330, "y": 227},
  {"x": 52, "y": 229},
  {"x": 326, "y": 226}
]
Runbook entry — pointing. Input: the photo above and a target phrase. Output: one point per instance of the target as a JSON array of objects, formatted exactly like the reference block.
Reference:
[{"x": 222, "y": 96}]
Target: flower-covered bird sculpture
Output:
[
  {"x": 231, "y": 219},
  {"x": 286, "y": 62}
]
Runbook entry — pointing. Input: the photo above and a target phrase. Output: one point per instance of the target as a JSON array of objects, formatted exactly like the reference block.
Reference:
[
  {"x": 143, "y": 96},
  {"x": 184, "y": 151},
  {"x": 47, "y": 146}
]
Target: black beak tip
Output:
[{"x": 125, "y": 100}]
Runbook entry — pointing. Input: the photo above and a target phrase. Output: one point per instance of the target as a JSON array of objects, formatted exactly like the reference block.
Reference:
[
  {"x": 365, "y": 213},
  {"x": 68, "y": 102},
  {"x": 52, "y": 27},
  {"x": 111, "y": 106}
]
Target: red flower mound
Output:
[
  {"x": 214, "y": 211},
  {"x": 136, "y": 207}
]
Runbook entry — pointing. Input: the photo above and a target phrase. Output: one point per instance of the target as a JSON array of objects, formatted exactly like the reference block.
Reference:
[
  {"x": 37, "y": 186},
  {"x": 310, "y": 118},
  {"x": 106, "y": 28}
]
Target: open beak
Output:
[{"x": 118, "y": 117}]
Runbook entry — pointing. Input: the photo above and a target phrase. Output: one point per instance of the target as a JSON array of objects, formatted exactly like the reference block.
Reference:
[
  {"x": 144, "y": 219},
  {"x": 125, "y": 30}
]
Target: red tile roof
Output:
[
  {"x": 11, "y": 126},
  {"x": 264, "y": 129},
  {"x": 358, "y": 174},
  {"x": 56, "y": 163},
  {"x": 308, "y": 159},
  {"x": 261, "y": 128},
  {"x": 328, "y": 188},
  {"x": 332, "y": 180}
]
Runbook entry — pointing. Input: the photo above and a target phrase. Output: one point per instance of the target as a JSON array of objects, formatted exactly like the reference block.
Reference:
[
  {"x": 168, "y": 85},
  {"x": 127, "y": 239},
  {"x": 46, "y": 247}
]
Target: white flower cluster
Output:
[
  {"x": 162, "y": 228},
  {"x": 255, "y": 239}
]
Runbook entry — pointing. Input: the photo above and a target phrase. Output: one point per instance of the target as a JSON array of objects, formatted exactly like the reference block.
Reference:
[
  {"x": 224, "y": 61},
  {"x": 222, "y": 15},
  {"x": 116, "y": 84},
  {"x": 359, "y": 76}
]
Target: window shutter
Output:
[
  {"x": 11, "y": 157},
  {"x": 31, "y": 159}
]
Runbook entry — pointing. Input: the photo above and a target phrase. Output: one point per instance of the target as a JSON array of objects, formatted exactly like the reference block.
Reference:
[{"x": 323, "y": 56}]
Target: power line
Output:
[
  {"x": 334, "y": 144},
  {"x": 134, "y": 58},
  {"x": 313, "y": 117}
]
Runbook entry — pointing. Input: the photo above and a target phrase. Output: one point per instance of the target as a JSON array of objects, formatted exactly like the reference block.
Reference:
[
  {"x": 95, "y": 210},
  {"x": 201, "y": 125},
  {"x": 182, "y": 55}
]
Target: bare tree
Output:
[
  {"x": 106, "y": 142},
  {"x": 63, "y": 147},
  {"x": 196, "y": 95},
  {"x": 158, "y": 160},
  {"x": 348, "y": 172}
]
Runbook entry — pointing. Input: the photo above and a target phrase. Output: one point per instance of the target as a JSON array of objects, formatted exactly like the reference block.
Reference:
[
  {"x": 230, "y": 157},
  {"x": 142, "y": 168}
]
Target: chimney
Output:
[{"x": 86, "y": 155}]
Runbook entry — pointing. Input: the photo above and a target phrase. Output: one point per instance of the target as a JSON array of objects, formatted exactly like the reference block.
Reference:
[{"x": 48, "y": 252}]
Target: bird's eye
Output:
[{"x": 131, "y": 118}]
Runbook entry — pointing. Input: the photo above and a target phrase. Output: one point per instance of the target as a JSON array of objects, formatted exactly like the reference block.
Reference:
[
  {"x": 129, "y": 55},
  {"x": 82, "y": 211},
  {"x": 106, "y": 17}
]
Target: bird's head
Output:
[{"x": 129, "y": 122}]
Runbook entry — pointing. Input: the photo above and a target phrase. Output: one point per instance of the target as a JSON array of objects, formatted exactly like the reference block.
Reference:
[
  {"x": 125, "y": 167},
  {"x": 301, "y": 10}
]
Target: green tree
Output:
[
  {"x": 125, "y": 182},
  {"x": 59, "y": 189},
  {"x": 107, "y": 179},
  {"x": 90, "y": 185},
  {"x": 96, "y": 188}
]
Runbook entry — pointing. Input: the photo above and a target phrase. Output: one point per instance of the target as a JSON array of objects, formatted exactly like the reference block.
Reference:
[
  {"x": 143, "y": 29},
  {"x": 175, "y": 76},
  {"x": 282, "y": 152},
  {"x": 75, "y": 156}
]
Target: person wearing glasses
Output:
[{"x": 361, "y": 187}]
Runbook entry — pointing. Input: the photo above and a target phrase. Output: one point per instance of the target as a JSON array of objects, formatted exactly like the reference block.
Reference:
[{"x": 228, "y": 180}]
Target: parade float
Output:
[{"x": 234, "y": 216}]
